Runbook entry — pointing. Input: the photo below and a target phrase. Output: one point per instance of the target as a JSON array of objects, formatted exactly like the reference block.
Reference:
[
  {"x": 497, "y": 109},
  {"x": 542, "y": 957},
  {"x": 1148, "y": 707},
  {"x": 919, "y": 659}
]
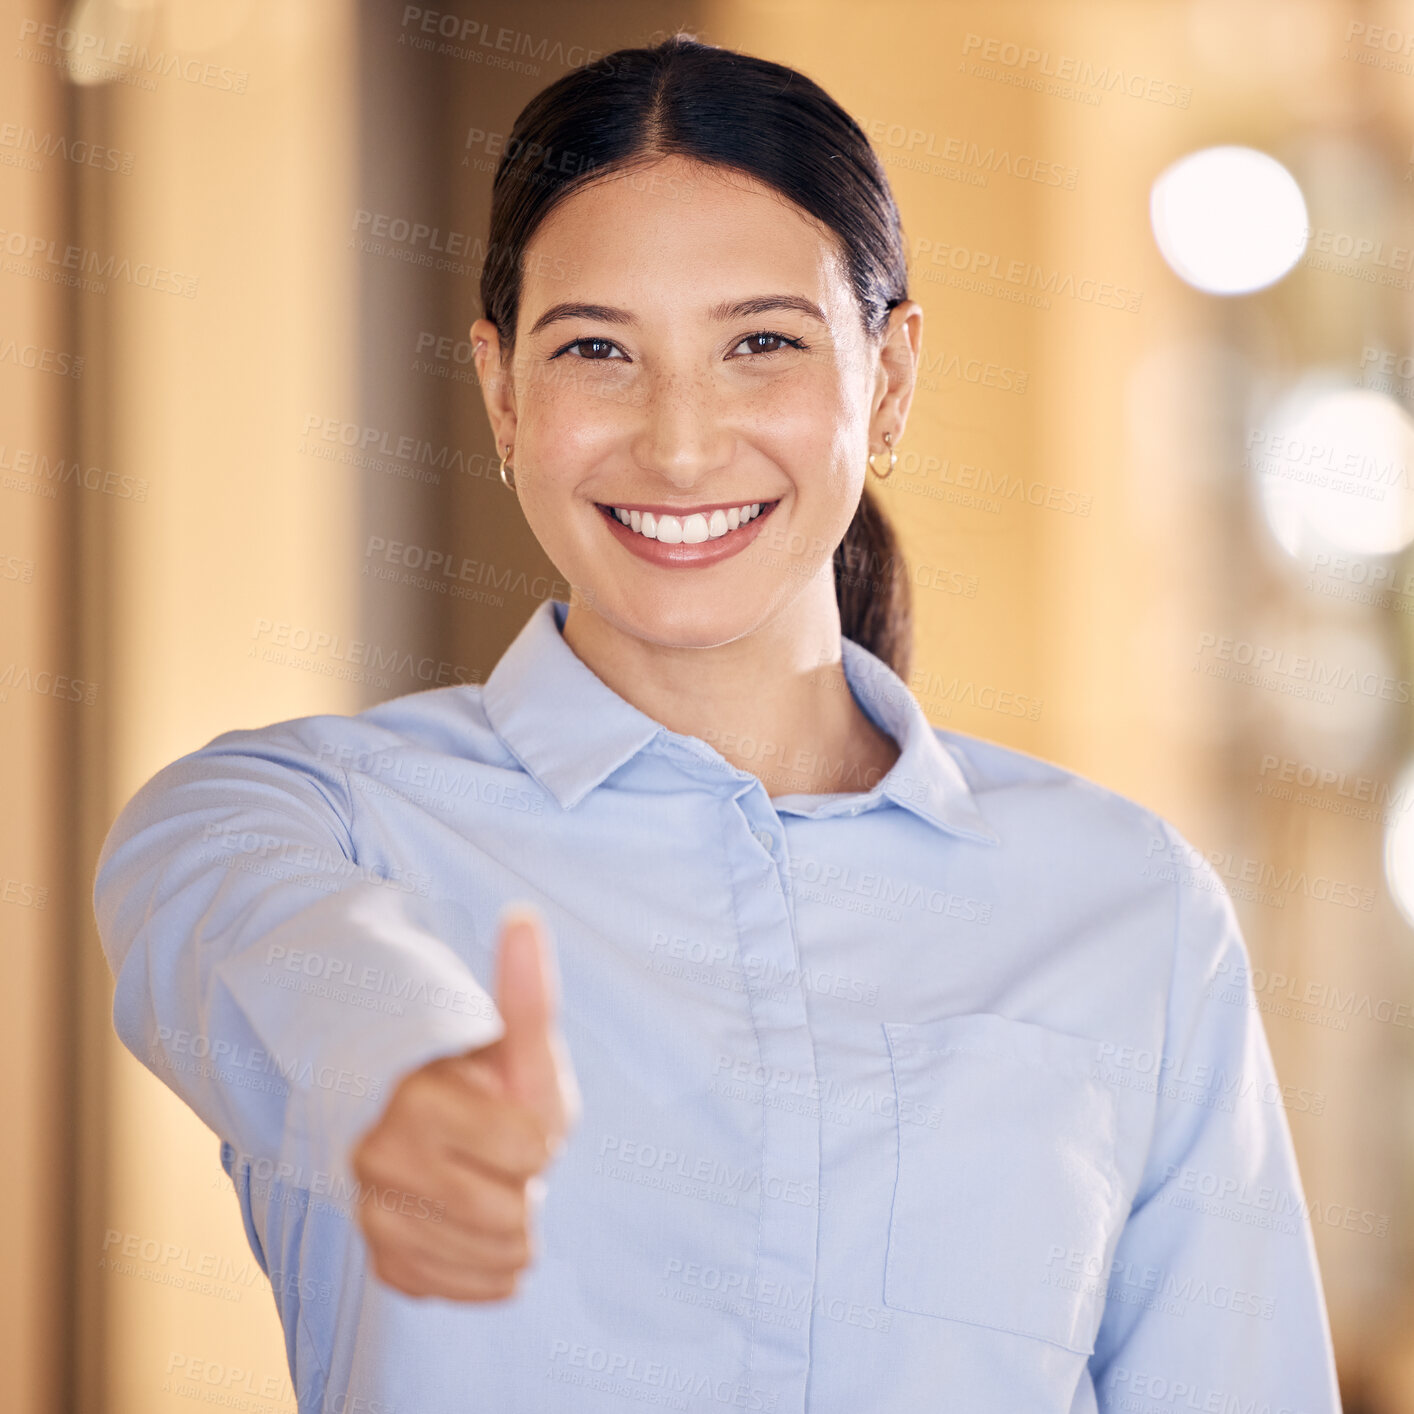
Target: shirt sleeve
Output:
[
  {"x": 1214, "y": 1297},
  {"x": 277, "y": 984}
]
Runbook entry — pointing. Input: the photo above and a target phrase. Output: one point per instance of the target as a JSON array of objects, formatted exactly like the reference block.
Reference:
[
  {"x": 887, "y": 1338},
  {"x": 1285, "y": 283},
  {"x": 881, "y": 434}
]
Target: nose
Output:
[{"x": 683, "y": 437}]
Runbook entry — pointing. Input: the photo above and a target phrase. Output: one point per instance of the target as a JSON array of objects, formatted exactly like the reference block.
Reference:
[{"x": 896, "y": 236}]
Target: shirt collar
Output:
[{"x": 570, "y": 730}]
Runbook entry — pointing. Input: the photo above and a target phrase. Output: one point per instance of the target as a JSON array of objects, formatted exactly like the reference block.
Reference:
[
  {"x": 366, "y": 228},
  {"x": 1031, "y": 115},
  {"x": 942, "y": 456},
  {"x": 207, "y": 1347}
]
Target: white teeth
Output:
[{"x": 688, "y": 530}]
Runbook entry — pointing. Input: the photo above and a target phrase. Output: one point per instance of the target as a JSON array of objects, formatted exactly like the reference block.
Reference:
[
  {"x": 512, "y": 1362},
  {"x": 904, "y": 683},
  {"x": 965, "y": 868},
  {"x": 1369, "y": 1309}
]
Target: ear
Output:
[
  {"x": 497, "y": 390},
  {"x": 897, "y": 373}
]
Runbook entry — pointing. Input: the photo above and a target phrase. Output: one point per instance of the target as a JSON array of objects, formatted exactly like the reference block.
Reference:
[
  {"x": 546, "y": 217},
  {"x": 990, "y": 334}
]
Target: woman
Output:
[{"x": 880, "y": 1068}]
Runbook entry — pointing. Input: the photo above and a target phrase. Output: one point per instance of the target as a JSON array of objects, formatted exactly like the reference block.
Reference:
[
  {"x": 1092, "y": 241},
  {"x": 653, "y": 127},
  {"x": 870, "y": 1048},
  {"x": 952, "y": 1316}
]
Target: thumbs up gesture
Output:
[{"x": 466, "y": 1137}]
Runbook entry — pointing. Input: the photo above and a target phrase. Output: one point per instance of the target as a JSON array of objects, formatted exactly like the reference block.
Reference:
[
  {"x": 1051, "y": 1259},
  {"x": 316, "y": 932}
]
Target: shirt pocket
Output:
[{"x": 1008, "y": 1193}]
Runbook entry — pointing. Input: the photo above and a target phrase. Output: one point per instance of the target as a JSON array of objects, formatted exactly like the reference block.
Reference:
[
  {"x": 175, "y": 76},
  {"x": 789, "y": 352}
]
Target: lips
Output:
[{"x": 694, "y": 538}]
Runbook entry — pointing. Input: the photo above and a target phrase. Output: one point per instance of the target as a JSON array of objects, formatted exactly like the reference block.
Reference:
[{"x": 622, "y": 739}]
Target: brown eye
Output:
[
  {"x": 768, "y": 343},
  {"x": 600, "y": 347}
]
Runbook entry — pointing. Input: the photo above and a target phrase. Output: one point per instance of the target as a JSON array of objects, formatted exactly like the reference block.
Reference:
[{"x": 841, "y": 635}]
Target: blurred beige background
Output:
[{"x": 257, "y": 361}]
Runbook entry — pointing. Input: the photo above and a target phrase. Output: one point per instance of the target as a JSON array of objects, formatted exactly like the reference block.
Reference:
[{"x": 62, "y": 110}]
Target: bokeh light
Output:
[
  {"x": 1229, "y": 220},
  {"x": 1399, "y": 844},
  {"x": 1332, "y": 465}
]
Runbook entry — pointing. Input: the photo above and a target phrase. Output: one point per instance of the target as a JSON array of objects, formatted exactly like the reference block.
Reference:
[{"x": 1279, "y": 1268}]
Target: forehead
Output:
[{"x": 680, "y": 234}]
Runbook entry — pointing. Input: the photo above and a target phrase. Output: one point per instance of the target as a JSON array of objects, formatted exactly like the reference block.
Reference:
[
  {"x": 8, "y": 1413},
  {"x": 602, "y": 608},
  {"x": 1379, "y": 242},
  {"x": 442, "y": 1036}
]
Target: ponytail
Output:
[{"x": 873, "y": 589}]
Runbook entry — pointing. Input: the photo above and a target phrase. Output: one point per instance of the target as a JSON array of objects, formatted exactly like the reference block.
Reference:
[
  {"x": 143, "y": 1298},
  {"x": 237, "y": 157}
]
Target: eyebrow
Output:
[{"x": 720, "y": 312}]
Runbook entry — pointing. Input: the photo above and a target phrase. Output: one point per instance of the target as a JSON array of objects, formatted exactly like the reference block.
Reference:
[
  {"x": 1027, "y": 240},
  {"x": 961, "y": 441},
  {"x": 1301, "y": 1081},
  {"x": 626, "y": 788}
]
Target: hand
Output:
[{"x": 469, "y": 1134}]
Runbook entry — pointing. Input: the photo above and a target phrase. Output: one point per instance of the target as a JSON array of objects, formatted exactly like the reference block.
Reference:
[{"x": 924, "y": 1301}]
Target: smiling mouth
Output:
[{"x": 695, "y": 528}]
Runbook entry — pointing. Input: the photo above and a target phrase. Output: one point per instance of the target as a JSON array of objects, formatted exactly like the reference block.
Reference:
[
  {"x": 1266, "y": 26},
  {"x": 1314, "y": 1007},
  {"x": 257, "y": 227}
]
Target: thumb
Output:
[{"x": 527, "y": 1056}]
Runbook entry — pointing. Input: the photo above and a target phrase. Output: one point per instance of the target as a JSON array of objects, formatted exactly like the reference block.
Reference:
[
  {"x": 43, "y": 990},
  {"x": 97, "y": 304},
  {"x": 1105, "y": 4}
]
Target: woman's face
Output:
[{"x": 658, "y": 369}]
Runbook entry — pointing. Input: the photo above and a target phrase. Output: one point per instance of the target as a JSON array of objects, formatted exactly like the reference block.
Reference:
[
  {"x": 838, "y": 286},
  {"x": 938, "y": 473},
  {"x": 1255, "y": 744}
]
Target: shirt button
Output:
[{"x": 766, "y": 840}]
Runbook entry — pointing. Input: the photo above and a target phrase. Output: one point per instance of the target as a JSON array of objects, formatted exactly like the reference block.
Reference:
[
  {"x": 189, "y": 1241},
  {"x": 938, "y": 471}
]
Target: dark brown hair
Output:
[{"x": 713, "y": 105}]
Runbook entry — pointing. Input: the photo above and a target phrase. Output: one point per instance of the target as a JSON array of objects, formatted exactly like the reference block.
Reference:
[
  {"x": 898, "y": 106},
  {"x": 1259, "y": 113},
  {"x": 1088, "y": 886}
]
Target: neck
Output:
[{"x": 774, "y": 702}]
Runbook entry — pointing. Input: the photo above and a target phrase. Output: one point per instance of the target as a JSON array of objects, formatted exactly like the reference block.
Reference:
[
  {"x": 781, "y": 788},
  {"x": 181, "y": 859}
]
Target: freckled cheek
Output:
[
  {"x": 581, "y": 382},
  {"x": 797, "y": 433}
]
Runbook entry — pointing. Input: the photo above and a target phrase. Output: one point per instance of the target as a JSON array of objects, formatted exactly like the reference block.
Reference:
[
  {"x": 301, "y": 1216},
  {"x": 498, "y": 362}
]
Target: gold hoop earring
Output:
[
  {"x": 511, "y": 484},
  {"x": 893, "y": 457}
]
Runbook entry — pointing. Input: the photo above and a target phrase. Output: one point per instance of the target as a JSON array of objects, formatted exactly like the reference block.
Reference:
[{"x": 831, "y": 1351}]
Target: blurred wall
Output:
[
  {"x": 42, "y": 914},
  {"x": 1073, "y": 491}
]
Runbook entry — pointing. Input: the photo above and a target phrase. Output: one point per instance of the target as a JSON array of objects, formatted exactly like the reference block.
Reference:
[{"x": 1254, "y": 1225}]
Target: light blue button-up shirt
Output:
[{"x": 947, "y": 1095}]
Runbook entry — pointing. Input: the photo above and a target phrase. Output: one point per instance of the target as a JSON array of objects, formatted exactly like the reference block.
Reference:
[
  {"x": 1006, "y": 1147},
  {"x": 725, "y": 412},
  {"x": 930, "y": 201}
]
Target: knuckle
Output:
[
  {"x": 495, "y": 1209},
  {"x": 374, "y": 1222},
  {"x": 416, "y": 1098},
  {"x": 529, "y": 1143},
  {"x": 516, "y": 1255},
  {"x": 400, "y": 1276},
  {"x": 381, "y": 1152}
]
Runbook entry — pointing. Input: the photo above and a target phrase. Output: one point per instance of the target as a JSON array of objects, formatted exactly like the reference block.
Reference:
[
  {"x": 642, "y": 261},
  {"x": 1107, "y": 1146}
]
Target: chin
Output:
[{"x": 689, "y": 619}]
